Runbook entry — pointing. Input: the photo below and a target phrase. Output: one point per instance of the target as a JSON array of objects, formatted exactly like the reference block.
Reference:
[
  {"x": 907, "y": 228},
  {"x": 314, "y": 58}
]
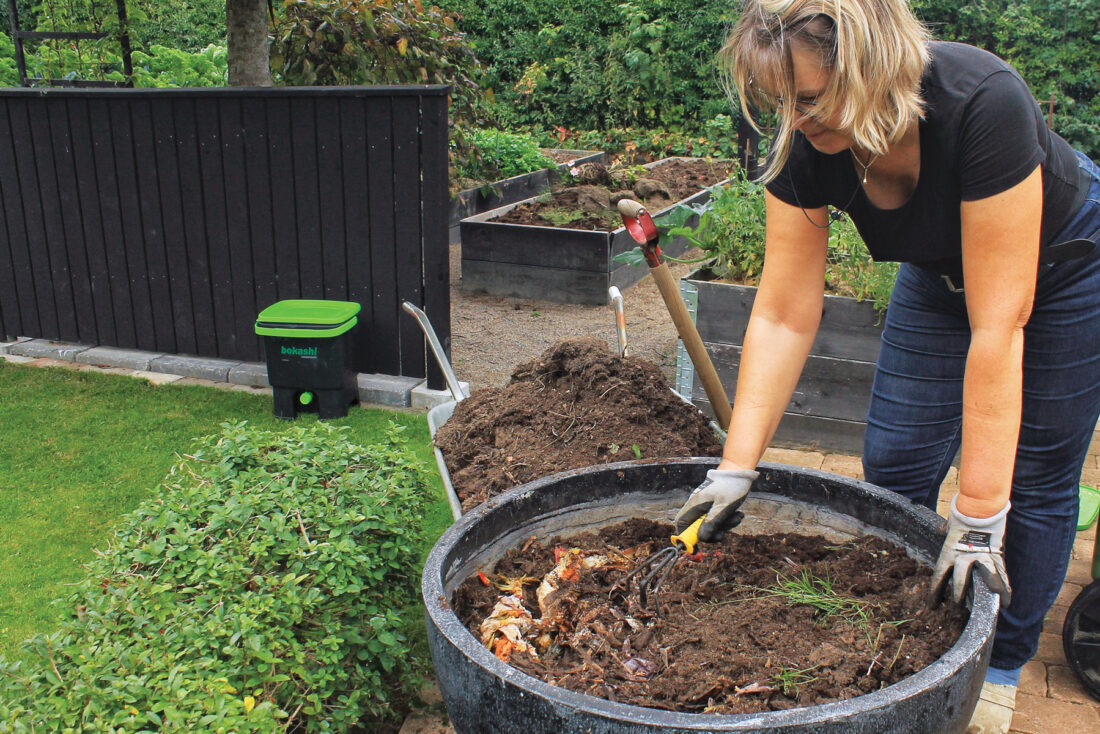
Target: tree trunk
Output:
[{"x": 248, "y": 58}]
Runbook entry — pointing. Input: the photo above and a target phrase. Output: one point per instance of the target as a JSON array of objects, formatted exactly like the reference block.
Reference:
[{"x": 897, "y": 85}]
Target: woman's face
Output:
[{"x": 810, "y": 80}]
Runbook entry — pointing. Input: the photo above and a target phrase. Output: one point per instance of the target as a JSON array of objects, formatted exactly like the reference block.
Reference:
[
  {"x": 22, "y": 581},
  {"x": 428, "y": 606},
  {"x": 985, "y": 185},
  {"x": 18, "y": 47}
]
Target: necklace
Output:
[{"x": 870, "y": 162}]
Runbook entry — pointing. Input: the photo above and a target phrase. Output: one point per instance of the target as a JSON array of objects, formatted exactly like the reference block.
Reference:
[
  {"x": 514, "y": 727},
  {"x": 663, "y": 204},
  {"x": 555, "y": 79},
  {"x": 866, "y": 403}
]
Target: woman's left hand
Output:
[{"x": 972, "y": 543}]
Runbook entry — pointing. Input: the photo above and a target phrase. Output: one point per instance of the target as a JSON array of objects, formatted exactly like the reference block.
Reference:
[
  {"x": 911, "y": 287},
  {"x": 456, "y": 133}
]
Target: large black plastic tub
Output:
[{"x": 484, "y": 695}]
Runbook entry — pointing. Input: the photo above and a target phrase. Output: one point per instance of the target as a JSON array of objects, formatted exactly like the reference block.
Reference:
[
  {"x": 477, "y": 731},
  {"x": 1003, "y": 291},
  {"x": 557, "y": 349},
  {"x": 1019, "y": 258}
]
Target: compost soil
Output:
[
  {"x": 589, "y": 205},
  {"x": 727, "y": 633},
  {"x": 578, "y": 404}
]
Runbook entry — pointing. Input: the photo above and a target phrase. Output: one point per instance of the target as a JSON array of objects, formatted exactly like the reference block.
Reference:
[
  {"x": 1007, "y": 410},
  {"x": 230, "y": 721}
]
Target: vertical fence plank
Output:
[
  {"x": 284, "y": 208},
  {"x": 357, "y": 263},
  {"x": 407, "y": 235},
  {"x": 436, "y": 198},
  {"x": 331, "y": 185},
  {"x": 41, "y": 147},
  {"x": 91, "y": 220},
  {"x": 32, "y": 223},
  {"x": 160, "y": 284},
  {"x": 383, "y": 326},
  {"x": 249, "y": 143},
  {"x": 193, "y": 210},
  {"x": 69, "y": 209},
  {"x": 168, "y": 184},
  {"x": 211, "y": 174},
  {"x": 116, "y": 121},
  {"x": 110, "y": 211},
  {"x": 10, "y": 241},
  {"x": 303, "y": 126}
]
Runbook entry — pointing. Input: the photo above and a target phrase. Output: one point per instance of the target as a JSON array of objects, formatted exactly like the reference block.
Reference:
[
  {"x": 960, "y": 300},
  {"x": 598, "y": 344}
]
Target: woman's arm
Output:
[
  {"x": 781, "y": 329},
  {"x": 1000, "y": 247}
]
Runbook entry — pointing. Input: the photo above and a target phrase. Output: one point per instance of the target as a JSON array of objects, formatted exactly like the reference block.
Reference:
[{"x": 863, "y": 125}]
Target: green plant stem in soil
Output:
[{"x": 80, "y": 449}]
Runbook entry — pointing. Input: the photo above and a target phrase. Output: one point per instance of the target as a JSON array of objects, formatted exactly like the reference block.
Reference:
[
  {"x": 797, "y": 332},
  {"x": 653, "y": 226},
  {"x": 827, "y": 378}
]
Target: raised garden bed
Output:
[
  {"x": 469, "y": 202},
  {"x": 828, "y": 409},
  {"x": 561, "y": 264}
]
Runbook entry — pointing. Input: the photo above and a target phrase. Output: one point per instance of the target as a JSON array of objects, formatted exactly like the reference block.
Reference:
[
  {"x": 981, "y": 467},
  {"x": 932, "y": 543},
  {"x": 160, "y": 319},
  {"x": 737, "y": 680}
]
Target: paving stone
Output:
[
  {"x": 846, "y": 466},
  {"x": 4, "y": 345},
  {"x": 120, "y": 371},
  {"x": 1068, "y": 593},
  {"x": 66, "y": 351},
  {"x": 158, "y": 378},
  {"x": 250, "y": 389},
  {"x": 1050, "y": 649},
  {"x": 808, "y": 459},
  {"x": 391, "y": 390},
  {"x": 50, "y": 362},
  {"x": 206, "y": 368},
  {"x": 426, "y": 723},
  {"x": 1080, "y": 571},
  {"x": 200, "y": 382},
  {"x": 1090, "y": 476},
  {"x": 1055, "y": 618},
  {"x": 1064, "y": 685},
  {"x": 1033, "y": 679},
  {"x": 133, "y": 359},
  {"x": 1040, "y": 715},
  {"x": 249, "y": 373},
  {"x": 421, "y": 397},
  {"x": 16, "y": 358}
]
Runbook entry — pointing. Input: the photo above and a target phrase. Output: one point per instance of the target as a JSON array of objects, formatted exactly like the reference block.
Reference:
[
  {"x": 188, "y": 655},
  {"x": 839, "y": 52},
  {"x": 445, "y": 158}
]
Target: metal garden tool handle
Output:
[
  {"x": 620, "y": 318},
  {"x": 437, "y": 349},
  {"x": 644, "y": 231}
]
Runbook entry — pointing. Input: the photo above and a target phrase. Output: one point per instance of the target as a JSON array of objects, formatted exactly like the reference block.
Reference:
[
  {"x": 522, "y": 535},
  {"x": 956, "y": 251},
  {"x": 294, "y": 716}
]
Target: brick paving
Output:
[{"x": 1050, "y": 699}]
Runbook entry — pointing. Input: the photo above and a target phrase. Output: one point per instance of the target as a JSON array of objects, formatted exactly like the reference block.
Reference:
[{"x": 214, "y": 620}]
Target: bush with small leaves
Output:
[{"x": 262, "y": 589}]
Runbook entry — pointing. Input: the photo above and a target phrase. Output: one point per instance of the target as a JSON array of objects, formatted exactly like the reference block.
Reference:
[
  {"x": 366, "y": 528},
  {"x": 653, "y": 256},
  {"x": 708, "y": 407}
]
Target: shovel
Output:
[{"x": 641, "y": 227}]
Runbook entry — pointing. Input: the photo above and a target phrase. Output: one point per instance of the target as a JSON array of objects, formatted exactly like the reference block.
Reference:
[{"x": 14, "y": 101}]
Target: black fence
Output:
[{"x": 166, "y": 220}]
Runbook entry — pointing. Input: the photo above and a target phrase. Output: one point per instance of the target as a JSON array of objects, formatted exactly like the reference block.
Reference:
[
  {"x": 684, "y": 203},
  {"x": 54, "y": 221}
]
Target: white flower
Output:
[{"x": 574, "y": 171}]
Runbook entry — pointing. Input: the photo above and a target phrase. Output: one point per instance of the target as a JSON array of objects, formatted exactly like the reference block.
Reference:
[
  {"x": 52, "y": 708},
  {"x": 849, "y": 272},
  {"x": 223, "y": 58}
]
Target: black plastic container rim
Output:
[{"x": 984, "y": 609}]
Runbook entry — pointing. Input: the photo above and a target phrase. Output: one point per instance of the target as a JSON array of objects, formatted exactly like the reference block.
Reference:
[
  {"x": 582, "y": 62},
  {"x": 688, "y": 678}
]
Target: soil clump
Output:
[
  {"x": 578, "y": 404},
  {"x": 749, "y": 624},
  {"x": 578, "y": 207}
]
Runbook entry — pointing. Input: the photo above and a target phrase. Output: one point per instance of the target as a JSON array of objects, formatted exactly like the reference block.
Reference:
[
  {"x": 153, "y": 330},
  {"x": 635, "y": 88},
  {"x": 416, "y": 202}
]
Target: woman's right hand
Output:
[{"x": 718, "y": 498}]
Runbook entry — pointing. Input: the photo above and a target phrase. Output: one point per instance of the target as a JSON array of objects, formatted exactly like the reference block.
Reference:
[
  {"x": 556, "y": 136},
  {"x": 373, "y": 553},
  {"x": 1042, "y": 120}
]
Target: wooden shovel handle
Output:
[{"x": 685, "y": 327}]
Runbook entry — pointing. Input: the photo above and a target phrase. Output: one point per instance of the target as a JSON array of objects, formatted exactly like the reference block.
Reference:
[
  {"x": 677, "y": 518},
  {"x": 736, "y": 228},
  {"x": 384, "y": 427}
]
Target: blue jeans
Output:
[{"x": 915, "y": 417}]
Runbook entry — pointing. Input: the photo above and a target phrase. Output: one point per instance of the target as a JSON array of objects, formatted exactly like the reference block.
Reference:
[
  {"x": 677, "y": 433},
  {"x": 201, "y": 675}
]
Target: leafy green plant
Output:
[
  {"x": 168, "y": 67},
  {"x": 9, "y": 74},
  {"x": 502, "y": 154},
  {"x": 716, "y": 138},
  {"x": 262, "y": 589},
  {"x": 730, "y": 231}
]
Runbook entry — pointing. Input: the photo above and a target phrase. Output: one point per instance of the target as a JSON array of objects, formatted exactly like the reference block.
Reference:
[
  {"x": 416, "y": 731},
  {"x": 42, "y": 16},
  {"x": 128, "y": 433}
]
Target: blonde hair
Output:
[{"x": 877, "y": 51}]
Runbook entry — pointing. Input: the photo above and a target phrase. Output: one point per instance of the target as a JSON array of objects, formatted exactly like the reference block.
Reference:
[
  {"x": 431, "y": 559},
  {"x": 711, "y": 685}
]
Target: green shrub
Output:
[
  {"x": 261, "y": 590},
  {"x": 502, "y": 154},
  {"x": 730, "y": 231},
  {"x": 9, "y": 73},
  {"x": 186, "y": 25},
  {"x": 168, "y": 67},
  {"x": 716, "y": 138}
]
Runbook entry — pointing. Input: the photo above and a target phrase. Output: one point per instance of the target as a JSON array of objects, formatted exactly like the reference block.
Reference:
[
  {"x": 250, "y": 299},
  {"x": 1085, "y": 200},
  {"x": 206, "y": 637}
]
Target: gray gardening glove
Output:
[
  {"x": 972, "y": 543},
  {"x": 718, "y": 498}
]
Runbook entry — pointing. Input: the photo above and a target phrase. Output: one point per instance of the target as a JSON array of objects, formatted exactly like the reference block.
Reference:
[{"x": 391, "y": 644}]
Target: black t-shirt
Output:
[{"x": 983, "y": 133}]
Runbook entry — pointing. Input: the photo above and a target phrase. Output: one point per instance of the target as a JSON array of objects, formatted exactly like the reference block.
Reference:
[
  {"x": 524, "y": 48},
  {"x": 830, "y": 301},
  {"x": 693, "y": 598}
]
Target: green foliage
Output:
[
  {"x": 168, "y": 67},
  {"x": 1054, "y": 44},
  {"x": 9, "y": 73},
  {"x": 717, "y": 138},
  {"x": 502, "y": 154},
  {"x": 599, "y": 63},
  {"x": 186, "y": 25},
  {"x": 350, "y": 42},
  {"x": 731, "y": 233},
  {"x": 260, "y": 590}
]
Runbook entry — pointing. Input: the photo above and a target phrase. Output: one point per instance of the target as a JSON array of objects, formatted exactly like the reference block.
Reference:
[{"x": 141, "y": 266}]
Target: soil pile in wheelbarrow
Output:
[
  {"x": 579, "y": 404},
  {"x": 750, "y": 624}
]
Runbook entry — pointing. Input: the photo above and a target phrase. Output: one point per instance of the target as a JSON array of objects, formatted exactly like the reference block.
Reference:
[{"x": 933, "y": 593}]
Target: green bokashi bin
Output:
[{"x": 310, "y": 353}]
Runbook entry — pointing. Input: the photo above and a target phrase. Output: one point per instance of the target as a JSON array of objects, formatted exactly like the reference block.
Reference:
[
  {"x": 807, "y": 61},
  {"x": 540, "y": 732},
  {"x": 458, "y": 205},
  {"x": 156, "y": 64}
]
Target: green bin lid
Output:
[{"x": 304, "y": 318}]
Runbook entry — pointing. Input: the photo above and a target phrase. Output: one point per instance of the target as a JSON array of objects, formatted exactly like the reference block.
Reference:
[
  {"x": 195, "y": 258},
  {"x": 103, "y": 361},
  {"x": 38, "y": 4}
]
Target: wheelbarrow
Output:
[{"x": 1081, "y": 631}]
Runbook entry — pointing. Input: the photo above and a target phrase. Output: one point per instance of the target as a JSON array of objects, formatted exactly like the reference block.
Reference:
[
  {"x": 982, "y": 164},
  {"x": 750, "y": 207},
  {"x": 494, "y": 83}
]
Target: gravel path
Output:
[{"x": 490, "y": 336}]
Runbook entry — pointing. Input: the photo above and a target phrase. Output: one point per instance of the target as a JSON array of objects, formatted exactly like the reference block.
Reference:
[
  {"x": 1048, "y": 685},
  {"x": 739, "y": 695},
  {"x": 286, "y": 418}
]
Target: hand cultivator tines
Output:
[{"x": 652, "y": 572}]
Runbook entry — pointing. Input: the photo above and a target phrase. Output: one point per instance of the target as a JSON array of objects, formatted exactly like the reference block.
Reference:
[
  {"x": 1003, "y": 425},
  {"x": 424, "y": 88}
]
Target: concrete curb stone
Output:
[
  {"x": 388, "y": 390},
  {"x": 205, "y": 368},
  {"x": 64, "y": 351},
  {"x": 249, "y": 373},
  {"x": 133, "y": 359}
]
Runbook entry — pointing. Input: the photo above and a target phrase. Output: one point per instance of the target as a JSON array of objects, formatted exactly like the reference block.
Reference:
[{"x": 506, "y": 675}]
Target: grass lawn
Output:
[{"x": 80, "y": 449}]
